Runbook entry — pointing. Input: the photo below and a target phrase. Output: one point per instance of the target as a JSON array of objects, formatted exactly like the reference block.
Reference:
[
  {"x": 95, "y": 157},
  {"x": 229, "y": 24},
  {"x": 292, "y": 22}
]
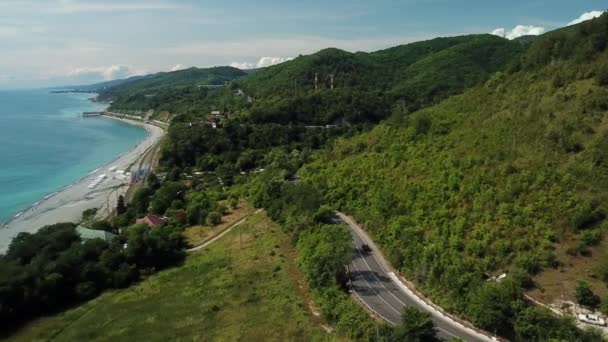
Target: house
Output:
[
  {"x": 90, "y": 234},
  {"x": 152, "y": 221},
  {"x": 216, "y": 116}
]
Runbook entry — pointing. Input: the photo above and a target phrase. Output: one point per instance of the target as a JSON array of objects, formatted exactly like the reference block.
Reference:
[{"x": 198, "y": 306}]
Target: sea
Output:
[{"x": 45, "y": 146}]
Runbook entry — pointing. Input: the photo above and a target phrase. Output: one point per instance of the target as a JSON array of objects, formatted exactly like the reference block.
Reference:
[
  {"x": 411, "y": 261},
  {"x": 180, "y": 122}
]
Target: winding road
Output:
[{"x": 377, "y": 285}]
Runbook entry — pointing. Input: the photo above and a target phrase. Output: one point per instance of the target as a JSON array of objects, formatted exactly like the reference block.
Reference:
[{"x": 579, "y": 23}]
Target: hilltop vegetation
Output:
[
  {"x": 368, "y": 86},
  {"x": 163, "y": 91},
  {"x": 490, "y": 181}
]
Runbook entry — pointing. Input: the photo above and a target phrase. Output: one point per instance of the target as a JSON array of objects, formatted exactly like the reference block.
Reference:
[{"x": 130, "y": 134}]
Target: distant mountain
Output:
[
  {"x": 108, "y": 84},
  {"x": 367, "y": 87}
]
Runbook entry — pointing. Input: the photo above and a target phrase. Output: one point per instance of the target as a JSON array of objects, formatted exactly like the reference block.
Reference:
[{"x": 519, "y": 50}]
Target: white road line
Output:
[
  {"x": 372, "y": 309},
  {"x": 378, "y": 279},
  {"x": 377, "y": 293},
  {"x": 392, "y": 294},
  {"x": 438, "y": 314}
]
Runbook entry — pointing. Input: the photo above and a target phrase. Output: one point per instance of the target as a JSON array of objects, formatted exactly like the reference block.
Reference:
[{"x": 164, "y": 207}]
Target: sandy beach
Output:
[{"x": 68, "y": 204}]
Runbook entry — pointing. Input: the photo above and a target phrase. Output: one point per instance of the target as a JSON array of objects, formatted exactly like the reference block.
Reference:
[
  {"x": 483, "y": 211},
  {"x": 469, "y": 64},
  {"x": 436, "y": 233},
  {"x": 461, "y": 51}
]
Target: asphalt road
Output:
[{"x": 373, "y": 283}]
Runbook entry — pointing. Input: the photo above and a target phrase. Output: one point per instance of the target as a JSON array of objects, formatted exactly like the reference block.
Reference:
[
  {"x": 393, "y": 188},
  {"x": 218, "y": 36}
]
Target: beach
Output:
[{"x": 67, "y": 204}]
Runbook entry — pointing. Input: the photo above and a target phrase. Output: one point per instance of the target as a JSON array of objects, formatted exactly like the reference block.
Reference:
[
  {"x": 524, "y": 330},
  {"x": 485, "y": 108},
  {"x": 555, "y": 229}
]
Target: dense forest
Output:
[
  {"x": 368, "y": 87},
  {"x": 164, "y": 90},
  {"x": 495, "y": 180}
]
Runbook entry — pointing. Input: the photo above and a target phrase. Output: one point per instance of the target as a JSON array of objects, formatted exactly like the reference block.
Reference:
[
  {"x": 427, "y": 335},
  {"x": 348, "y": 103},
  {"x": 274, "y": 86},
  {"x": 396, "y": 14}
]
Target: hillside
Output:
[
  {"x": 155, "y": 91},
  {"x": 368, "y": 87},
  {"x": 509, "y": 177},
  {"x": 230, "y": 292}
]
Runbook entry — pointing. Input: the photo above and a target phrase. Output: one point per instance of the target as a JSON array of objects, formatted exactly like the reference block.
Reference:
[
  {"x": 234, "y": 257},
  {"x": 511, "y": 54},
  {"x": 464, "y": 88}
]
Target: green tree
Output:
[
  {"x": 494, "y": 306},
  {"x": 416, "y": 326},
  {"x": 214, "y": 218},
  {"x": 121, "y": 208},
  {"x": 324, "y": 253},
  {"x": 584, "y": 294},
  {"x": 602, "y": 75}
]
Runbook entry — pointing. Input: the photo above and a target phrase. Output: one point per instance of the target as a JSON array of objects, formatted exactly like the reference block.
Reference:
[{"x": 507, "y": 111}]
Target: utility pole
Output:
[
  {"x": 332, "y": 80},
  {"x": 316, "y": 82}
]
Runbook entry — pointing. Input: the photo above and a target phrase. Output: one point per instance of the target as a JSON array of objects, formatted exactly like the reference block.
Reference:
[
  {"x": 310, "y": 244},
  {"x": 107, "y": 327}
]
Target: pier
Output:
[{"x": 90, "y": 114}]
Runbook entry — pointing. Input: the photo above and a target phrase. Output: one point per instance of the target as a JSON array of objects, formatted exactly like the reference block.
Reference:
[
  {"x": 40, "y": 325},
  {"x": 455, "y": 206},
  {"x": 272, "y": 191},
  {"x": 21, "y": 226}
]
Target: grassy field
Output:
[
  {"x": 197, "y": 235},
  {"x": 246, "y": 287}
]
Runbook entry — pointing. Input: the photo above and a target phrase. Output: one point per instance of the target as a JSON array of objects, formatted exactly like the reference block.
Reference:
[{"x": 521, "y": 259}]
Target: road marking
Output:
[
  {"x": 369, "y": 307},
  {"x": 438, "y": 314},
  {"x": 374, "y": 290},
  {"x": 378, "y": 279}
]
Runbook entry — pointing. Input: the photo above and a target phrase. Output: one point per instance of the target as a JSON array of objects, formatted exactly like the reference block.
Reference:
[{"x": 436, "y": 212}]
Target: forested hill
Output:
[
  {"x": 429, "y": 64},
  {"x": 511, "y": 176},
  {"x": 151, "y": 91},
  {"x": 368, "y": 87}
]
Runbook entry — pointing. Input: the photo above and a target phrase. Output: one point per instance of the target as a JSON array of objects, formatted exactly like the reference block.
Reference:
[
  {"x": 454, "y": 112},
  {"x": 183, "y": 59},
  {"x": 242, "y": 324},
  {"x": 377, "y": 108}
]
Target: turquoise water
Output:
[{"x": 44, "y": 146}]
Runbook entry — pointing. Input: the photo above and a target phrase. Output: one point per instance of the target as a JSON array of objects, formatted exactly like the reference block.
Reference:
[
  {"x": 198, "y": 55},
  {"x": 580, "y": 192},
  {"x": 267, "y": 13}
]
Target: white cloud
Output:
[
  {"x": 177, "y": 67},
  {"x": 261, "y": 63},
  {"x": 112, "y": 72},
  {"x": 280, "y": 46},
  {"x": 519, "y": 31},
  {"x": 75, "y": 6},
  {"x": 586, "y": 16}
]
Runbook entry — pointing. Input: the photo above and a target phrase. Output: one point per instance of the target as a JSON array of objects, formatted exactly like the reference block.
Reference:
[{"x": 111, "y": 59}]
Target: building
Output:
[
  {"x": 90, "y": 234},
  {"x": 152, "y": 221}
]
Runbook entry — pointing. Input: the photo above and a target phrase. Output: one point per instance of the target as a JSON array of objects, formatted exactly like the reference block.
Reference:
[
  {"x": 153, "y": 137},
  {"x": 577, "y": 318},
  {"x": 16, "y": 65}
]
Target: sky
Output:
[{"x": 69, "y": 42}]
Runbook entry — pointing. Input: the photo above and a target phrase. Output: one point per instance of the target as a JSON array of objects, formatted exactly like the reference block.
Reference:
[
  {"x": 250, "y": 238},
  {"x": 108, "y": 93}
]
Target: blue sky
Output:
[{"x": 53, "y": 42}]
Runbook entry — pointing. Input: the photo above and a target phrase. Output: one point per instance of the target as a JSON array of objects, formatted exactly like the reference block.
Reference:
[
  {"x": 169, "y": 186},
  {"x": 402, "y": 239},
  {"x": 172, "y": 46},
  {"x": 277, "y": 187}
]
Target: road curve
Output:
[{"x": 376, "y": 284}]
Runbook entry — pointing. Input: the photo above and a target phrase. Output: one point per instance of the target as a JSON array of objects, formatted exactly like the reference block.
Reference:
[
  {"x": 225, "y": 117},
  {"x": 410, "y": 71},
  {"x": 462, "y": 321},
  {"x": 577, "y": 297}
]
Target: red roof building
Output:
[{"x": 152, "y": 221}]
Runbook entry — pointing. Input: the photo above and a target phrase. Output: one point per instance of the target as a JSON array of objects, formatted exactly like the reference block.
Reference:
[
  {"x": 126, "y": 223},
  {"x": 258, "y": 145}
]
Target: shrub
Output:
[
  {"x": 602, "y": 76},
  {"x": 214, "y": 218},
  {"x": 584, "y": 295},
  {"x": 590, "y": 237}
]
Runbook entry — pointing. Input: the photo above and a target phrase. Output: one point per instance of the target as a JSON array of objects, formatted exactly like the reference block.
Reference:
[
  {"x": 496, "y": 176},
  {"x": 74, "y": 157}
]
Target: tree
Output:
[
  {"x": 214, "y": 218},
  {"x": 324, "y": 252},
  {"x": 493, "y": 306},
  {"x": 416, "y": 326},
  {"x": 602, "y": 76},
  {"x": 121, "y": 208},
  {"x": 584, "y": 294}
]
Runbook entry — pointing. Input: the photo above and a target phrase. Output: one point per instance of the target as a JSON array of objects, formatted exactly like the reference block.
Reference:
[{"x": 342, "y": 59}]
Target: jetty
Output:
[{"x": 89, "y": 114}]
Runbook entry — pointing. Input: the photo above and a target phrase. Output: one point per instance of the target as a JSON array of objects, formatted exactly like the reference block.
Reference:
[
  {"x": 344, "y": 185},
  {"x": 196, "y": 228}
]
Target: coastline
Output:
[{"x": 67, "y": 204}]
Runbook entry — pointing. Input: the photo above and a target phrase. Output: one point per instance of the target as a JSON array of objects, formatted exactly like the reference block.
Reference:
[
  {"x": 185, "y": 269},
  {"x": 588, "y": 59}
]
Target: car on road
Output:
[
  {"x": 366, "y": 248},
  {"x": 591, "y": 319}
]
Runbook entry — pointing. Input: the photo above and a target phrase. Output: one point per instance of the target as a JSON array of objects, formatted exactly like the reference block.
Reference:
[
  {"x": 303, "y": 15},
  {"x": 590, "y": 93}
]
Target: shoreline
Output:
[{"x": 68, "y": 203}]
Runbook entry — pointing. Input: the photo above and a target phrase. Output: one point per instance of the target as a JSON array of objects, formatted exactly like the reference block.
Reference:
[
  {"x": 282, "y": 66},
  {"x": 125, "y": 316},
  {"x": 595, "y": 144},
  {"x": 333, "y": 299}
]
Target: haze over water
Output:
[{"x": 44, "y": 146}]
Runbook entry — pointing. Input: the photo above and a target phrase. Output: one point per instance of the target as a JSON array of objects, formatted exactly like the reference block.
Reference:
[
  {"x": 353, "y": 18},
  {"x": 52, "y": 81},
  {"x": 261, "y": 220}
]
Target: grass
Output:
[
  {"x": 559, "y": 283},
  {"x": 198, "y": 235},
  {"x": 245, "y": 287}
]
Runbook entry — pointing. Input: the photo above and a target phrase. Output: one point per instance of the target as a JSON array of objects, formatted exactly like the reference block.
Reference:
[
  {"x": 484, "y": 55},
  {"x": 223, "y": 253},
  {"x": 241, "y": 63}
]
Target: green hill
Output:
[
  {"x": 511, "y": 176},
  {"x": 368, "y": 87},
  {"x": 165, "y": 88}
]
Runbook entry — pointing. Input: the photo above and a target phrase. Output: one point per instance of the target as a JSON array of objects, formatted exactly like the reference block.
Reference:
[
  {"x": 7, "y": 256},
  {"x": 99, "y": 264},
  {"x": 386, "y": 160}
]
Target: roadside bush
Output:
[
  {"x": 602, "y": 76},
  {"x": 584, "y": 295},
  {"x": 214, "y": 218}
]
